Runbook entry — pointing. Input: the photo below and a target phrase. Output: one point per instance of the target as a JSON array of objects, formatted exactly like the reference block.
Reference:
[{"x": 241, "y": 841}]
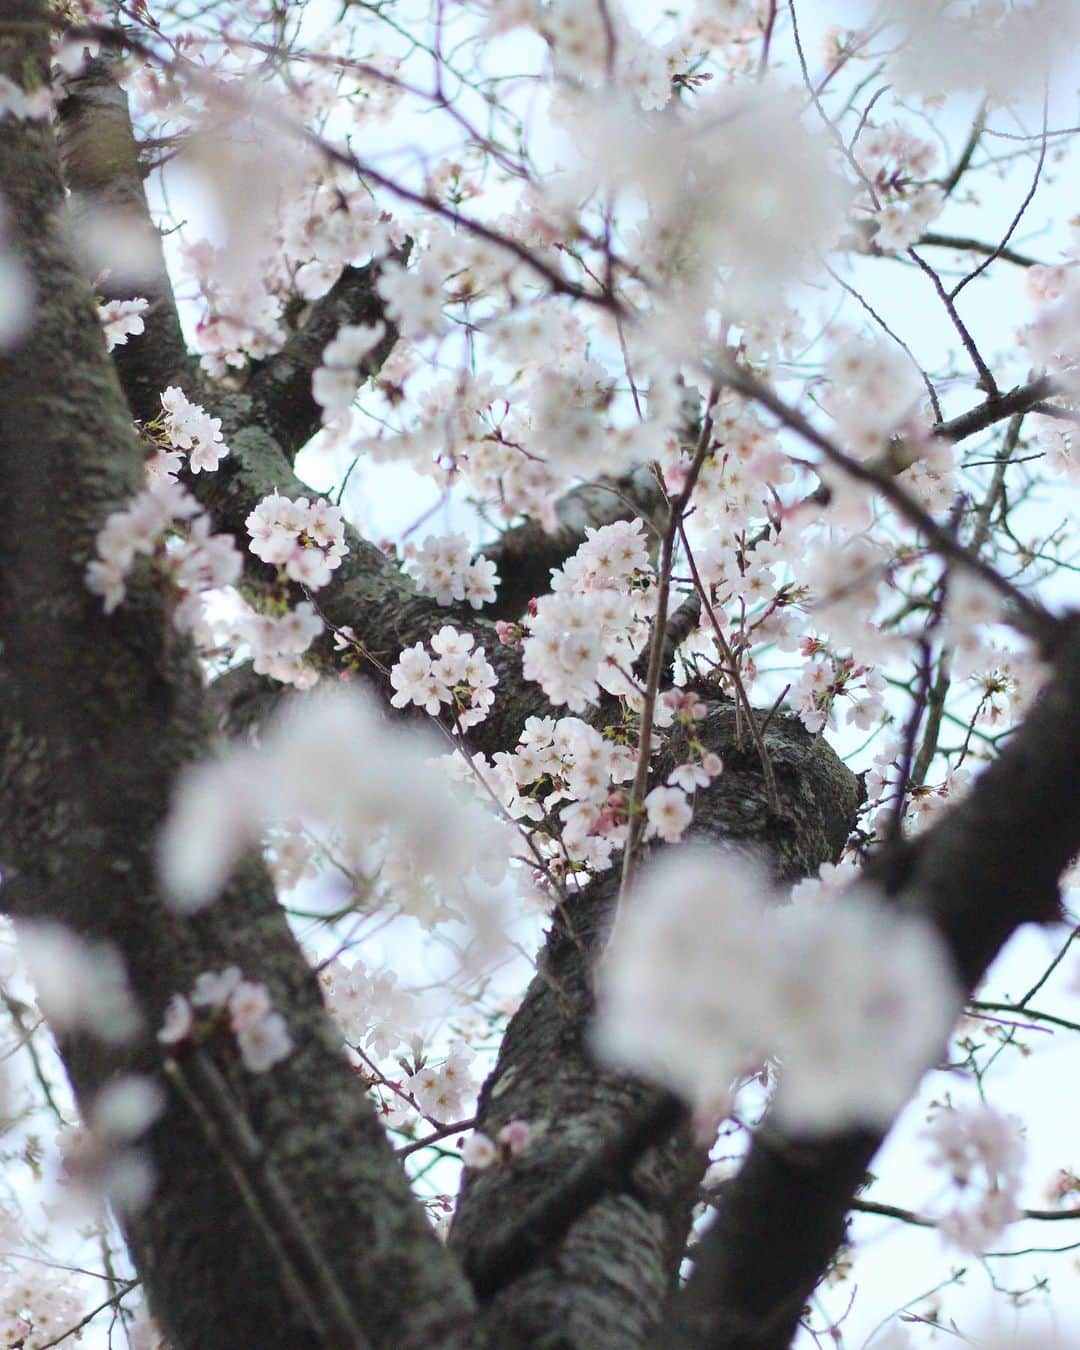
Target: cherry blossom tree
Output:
[{"x": 625, "y": 840}]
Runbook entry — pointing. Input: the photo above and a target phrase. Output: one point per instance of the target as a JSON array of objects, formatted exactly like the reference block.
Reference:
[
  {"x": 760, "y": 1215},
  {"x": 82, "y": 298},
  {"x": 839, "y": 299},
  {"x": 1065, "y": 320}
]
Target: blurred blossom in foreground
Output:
[
  {"x": 334, "y": 758},
  {"x": 102, "y": 1159},
  {"x": 81, "y": 983},
  {"x": 708, "y": 973},
  {"x": 738, "y": 190},
  {"x": 1007, "y": 49},
  {"x": 16, "y": 293}
]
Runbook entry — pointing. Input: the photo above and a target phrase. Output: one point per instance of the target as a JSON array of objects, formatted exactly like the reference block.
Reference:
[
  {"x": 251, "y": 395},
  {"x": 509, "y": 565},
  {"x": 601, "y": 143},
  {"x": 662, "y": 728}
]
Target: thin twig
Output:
[
  {"x": 756, "y": 732},
  {"x": 1030, "y": 615},
  {"x": 636, "y": 822}
]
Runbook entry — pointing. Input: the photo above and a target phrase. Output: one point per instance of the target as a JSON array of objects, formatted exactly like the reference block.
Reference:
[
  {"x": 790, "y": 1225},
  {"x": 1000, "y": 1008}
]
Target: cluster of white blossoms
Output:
[
  {"x": 730, "y": 219},
  {"x": 369, "y": 1006},
  {"x": 306, "y": 539},
  {"x": 828, "y": 677},
  {"x": 903, "y": 221},
  {"x": 190, "y": 427},
  {"x": 335, "y": 225},
  {"x": 451, "y": 674},
  {"x": 442, "y": 1093},
  {"x": 567, "y": 780},
  {"x": 1051, "y": 337},
  {"x": 564, "y": 776},
  {"x": 121, "y": 319},
  {"x": 277, "y": 642},
  {"x": 335, "y": 381},
  {"x": 1002, "y": 48},
  {"x": 262, "y": 1034},
  {"x": 897, "y": 164},
  {"x": 414, "y": 296},
  {"x": 444, "y": 568},
  {"x": 242, "y": 321},
  {"x": 587, "y": 633},
  {"x": 1060, "y": 441},
  {"x": 707, "y": 975},
  {"x": 567, "y": 408},
  {"x": 165, "y": 521},
  {"x": 39, "y": 1303},
  {"x": 374, "y": 801},
  {"x": 983, "y": 1152},
  {"x": 291, "y": 855}
]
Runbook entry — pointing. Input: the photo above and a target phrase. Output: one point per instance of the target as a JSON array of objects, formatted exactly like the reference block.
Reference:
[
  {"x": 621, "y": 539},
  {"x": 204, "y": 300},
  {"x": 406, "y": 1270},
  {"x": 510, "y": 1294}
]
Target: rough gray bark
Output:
[
  {"x": 102, "y": 171},
  {"x": 98, "y": 714},
  {"x": 605, "y": 1286}
]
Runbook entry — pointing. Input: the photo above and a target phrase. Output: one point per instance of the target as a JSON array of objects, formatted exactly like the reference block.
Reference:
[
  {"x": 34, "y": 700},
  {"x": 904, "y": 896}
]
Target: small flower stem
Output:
[
  {"x": 757, "y": 734},
  {"x": 676, "y": 508}
]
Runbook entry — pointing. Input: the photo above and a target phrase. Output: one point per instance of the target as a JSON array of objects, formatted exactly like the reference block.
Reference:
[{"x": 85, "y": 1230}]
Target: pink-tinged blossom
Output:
[
  {"x": 248, "y": 1003},
  {"x": 121, "y": 319},
  {"x": 515, "y": 1137},
  {"x": 694, "y": 775},
  {"x": 669, "y": 812},
  {"x": 478, "y": 1151},
  {"x": 264, "y": 1043}
]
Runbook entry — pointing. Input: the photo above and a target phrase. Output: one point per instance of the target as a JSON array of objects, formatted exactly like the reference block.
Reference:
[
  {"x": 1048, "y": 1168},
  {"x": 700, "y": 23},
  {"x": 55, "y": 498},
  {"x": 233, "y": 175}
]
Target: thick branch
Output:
[
  {"x": 280, "y": 386},
  {"x": 1022, "y": 399},
  {"x": 604, "y": 1286},
  {"x": 98, "y": 714},
  {"x": 989, "y": 865},
  {"x": 101, "y": 168}
]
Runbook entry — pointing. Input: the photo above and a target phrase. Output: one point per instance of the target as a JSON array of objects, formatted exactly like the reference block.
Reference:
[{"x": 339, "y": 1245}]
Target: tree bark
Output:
[
  {"x": 605, "y": 1285},
  {"x": 99, "y": 713}
]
